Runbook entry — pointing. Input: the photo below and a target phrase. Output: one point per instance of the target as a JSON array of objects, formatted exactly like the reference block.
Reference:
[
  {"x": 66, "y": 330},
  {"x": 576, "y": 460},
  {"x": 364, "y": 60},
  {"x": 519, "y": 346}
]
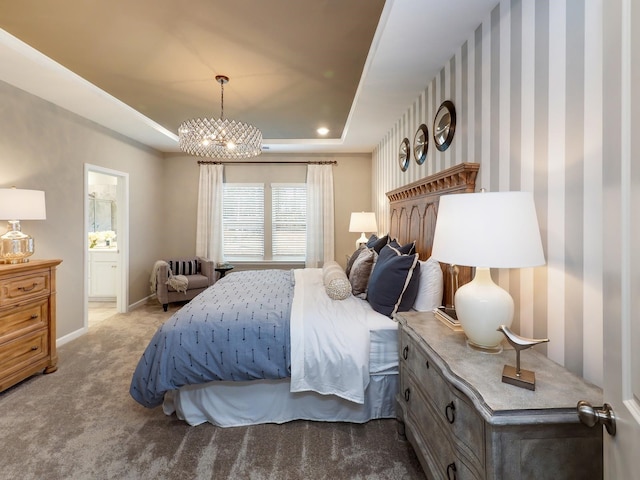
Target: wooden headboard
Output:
[{"x": 414, "y": 209}]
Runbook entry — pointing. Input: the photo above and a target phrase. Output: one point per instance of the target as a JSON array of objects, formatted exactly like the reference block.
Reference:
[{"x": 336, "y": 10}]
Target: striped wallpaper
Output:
[{"x": 527, "y": 86}]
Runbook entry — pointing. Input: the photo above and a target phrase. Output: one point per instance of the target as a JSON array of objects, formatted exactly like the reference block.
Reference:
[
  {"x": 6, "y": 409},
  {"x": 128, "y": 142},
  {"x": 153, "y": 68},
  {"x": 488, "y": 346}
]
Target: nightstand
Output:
[
  {"x": 223, "y": 269},
  {"x": 463, "y": 422}
]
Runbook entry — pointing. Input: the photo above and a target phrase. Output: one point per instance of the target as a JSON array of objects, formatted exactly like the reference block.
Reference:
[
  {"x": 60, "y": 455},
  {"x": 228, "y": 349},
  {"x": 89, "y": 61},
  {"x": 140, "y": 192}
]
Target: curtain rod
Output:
[{"x": 240, "y": 162}]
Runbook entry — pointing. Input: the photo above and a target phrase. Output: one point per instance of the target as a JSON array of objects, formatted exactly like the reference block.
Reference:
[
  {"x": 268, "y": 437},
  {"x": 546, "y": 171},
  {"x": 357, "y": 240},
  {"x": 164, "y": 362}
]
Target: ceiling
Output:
[{"x": 143, "y": 67}]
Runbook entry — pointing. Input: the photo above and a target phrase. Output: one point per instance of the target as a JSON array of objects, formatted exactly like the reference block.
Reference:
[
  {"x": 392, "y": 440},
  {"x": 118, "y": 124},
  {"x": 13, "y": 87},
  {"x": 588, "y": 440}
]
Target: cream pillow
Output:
[
  {"x": 431, "y": 286},
  {"x": 335, "y": 281}
]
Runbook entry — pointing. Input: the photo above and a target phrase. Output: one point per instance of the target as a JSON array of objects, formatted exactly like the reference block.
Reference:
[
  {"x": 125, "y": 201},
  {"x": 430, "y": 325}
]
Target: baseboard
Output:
[
  {"x": 141, "y": 302},
  {"x": 71, "y": 336}
]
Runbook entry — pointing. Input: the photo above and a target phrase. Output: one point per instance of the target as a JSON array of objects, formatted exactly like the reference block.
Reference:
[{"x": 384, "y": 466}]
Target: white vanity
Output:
[{"x": 103, "y": 274}]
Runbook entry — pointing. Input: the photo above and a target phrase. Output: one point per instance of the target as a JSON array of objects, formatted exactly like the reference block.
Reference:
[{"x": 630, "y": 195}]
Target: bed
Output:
[{"x": 286, "y": 363}]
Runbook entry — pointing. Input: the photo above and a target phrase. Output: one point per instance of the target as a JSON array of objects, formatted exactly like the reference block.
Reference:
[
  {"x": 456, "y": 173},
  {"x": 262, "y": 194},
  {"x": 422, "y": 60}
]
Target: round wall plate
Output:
[
  {"x": 444, "y": 125},
  {"x": 404, "y": 154},
  {"x": 421, "y": 144}
]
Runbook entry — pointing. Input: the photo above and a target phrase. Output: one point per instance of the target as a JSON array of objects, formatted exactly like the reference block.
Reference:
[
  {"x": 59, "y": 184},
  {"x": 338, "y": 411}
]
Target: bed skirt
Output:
[{"x": 233, "y": 404}]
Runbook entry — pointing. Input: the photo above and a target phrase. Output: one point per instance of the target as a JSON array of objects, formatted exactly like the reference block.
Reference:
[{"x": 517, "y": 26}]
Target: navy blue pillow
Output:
[
  {"x": 377, "y": 243},
  {"x": 407, "y": 249},
  {"x": 393, "y": 285}
]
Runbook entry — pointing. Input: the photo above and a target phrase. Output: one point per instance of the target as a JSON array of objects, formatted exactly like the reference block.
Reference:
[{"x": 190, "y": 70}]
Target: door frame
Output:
[
  {"x": 621, "y": 180},
  {"x": 122, "y": 215}
]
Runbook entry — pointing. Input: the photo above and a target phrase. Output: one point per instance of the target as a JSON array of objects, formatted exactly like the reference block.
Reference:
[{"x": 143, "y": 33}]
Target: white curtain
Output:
[
  {"x": 320, "y": 213},
  {"x": 209, "y": 220}
]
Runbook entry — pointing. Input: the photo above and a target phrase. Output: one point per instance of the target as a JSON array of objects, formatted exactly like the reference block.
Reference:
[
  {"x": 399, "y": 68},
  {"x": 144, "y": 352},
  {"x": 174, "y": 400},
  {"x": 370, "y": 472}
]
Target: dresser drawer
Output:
[
  {"x": 23, "y": 351},
  {"x": 443, "y": 458},
  {"x": 24, "y": 287},
  {"x": 21, "y": 319},
  {"x": 451, "y": 407}
]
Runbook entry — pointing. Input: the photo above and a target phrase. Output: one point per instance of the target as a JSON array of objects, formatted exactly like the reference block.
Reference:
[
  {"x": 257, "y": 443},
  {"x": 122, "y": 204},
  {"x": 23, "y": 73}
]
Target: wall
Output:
[
  {"x": 44, "y": 147},
  {"x": 352, "y": 189},
  {"x": 527, "y": 86}
]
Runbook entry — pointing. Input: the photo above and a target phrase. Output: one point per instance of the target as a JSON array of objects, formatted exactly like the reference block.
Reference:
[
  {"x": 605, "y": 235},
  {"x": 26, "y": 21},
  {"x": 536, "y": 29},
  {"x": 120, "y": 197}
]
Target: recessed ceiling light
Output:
[{"x": 322, "y": 131}]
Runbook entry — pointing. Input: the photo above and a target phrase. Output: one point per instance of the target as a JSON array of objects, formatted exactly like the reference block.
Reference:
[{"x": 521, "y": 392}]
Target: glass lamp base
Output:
[{"x": 15, "y": 246}]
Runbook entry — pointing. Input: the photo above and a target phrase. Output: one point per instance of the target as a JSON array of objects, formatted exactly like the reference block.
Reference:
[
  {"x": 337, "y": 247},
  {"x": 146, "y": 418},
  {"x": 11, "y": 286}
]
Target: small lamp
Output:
[
  {"x": 486, "y": 230},
  {"x": 15, "y": 205},
  {"x": 363, "y": 222}
]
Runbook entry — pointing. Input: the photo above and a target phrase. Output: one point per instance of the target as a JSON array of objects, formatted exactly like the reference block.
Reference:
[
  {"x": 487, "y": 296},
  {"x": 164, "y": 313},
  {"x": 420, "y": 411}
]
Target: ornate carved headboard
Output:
[{"x": 414, "y": 209}]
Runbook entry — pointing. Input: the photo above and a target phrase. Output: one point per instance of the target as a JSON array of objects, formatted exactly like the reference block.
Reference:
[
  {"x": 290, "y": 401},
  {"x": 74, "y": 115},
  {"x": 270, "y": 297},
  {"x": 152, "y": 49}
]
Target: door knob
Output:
[{"x": 592, "y": 416}]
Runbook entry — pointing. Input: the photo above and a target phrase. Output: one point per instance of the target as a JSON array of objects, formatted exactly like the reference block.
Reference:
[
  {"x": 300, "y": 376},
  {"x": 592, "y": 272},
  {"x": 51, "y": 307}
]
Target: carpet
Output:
[{"x": 81, "y": 423}]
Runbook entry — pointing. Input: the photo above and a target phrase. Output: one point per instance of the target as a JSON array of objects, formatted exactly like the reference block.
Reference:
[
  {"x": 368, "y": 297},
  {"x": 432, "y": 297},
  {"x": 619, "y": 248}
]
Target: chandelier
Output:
[{"x": 220, "y": 138}]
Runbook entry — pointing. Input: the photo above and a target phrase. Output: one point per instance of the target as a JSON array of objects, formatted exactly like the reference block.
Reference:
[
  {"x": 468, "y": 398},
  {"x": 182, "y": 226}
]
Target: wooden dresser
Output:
[
  {"x": 464, "y": 423},
  {"x": 27, "y": 320}
]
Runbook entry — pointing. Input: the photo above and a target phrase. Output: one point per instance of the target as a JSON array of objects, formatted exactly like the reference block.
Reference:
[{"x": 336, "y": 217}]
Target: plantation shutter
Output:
[
  {"x": 288, "y": 220},
  {"x": 243, "y": 220}
]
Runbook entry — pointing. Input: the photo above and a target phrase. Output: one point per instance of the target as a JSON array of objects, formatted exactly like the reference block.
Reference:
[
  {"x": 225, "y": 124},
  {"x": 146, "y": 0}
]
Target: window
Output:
[
  {"x": 243, "y": 220},
  {"x": 265, "y": 223},
  {"x": 288, "y": 221}
]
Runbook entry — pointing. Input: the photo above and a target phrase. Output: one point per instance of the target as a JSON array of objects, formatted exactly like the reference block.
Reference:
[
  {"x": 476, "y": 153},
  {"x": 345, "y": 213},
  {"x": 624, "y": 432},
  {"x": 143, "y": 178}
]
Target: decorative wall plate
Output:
[
  {"x": 421, "y": 144},
  {"x": 444, "y": 125},
  {"x": 404, "y": 154}
]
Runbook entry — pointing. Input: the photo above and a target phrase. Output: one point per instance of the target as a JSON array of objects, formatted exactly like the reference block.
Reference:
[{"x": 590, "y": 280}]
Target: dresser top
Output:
[
  {"x": 11, "y": 268},
  {"x": 479, "y": 375}
]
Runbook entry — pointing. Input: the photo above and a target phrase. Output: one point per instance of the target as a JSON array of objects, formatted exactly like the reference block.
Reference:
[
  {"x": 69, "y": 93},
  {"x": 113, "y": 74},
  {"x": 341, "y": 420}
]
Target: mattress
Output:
[{"x": 383, "y": 344}]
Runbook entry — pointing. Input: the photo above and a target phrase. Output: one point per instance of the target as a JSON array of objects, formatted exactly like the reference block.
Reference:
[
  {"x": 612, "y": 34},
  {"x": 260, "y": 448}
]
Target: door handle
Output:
[{"x": 592, "y": 416}]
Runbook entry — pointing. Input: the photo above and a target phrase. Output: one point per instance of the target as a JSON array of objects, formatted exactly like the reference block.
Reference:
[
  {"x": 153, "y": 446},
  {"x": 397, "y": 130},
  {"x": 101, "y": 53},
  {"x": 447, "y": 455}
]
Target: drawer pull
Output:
[
  {"x": 28, "y": 289},
  {"x": 405, "y": 352},
  {"x": 34, "y": 316},
  {"x": 407, "y": 394},
  {"x": 35, "y": 347},
  {"x": 450, "y": 412},
  {"x": 451, "y": 469}
]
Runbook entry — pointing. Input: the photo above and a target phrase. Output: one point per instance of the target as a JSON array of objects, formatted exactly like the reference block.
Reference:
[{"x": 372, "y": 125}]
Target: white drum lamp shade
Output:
[
  {"x": 487, "y": 230},
  {"x": 15, "y": 205},
  {"x": 363, "y": 222}
]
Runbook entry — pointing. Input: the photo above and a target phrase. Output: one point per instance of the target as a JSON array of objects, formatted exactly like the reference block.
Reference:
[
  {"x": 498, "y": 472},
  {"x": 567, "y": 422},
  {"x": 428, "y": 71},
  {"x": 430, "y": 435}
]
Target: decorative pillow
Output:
[
  {"x": 407, "y": 249},
  {"x": 394, "y": 282},
  {"x": 352, "y": 259},
  {"x": 377, "y": 243},
  {"x": 431, "y": 286},
  {"x": 183, "y": 267},
  {"x": 361, "y": 271},
  {"x": 336, "y": 283}
]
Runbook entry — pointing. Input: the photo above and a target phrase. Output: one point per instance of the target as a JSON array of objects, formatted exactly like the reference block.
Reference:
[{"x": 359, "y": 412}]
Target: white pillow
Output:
[
  {"x": 431, "y": 286},
  {"x": 336, "y": 283}
]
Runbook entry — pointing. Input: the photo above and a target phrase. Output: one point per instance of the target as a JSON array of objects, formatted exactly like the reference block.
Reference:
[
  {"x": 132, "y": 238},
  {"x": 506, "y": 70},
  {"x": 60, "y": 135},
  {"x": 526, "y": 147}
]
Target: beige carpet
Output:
[{"x": 81, "y": 423}]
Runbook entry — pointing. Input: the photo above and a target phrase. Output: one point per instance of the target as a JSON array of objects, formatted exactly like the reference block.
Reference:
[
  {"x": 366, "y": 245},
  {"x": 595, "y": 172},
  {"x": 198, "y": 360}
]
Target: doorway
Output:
[{"x": 107, "y": 234}]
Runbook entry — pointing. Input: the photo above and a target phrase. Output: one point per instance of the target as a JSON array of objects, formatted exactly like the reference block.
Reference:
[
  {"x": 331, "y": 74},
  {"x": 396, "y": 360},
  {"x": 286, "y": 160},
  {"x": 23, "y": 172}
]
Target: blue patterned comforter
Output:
[{"x": 238, "y": 330}]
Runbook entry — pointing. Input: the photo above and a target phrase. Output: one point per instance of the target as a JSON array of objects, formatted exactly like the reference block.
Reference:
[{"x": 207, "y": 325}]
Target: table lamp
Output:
[
  {"x": 363, "y": 222},
  {"x": 486, "y": 230},
  {"x": 15, "y": 205}
]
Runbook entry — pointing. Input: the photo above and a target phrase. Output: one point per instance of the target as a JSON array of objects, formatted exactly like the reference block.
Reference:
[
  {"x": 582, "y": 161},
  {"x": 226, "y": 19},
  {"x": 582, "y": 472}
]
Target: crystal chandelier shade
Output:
[{"x": 220, "y": 138}]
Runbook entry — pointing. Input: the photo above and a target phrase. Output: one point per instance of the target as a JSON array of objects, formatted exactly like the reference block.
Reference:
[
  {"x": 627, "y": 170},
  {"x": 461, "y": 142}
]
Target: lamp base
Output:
[
  {"x": 15, "y": 246},
  {"x": 482, "y": 306},
  {"x": 526, "y": 379},
  {"x": 361, "y": 241},
  {"x": 484, "y": 348}
]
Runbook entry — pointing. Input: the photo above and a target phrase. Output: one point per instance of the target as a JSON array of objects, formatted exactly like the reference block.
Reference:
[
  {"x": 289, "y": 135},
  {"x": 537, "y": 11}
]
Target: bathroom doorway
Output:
[{"x": 107, "y": 235}]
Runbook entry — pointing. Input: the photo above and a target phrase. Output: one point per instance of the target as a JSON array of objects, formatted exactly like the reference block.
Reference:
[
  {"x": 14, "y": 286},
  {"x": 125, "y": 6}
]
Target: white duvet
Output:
[{"x": 329, "y": 340}]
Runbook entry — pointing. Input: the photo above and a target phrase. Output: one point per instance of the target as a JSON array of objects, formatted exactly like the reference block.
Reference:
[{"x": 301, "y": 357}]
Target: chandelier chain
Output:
[{"x": 222, "y": 100}]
